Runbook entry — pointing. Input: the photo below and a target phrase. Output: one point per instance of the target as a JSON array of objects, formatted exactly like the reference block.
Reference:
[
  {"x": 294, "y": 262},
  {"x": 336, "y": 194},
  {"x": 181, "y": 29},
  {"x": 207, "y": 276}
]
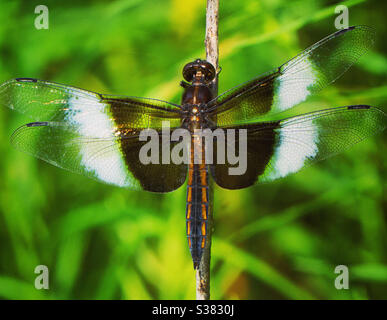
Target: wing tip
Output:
[
  {"x": 379, "y": 116},
  {"x": 9, "y": 83},
  {"x": 368, "y": 31}
]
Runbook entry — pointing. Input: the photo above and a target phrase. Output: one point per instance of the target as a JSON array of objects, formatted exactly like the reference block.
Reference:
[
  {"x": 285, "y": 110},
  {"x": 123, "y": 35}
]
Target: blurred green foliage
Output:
[{"x": 272, "y": 241}]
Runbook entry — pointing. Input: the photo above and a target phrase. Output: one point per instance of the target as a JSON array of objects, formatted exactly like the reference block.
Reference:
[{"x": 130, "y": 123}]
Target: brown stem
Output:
[{"x": 212, "y": 55}]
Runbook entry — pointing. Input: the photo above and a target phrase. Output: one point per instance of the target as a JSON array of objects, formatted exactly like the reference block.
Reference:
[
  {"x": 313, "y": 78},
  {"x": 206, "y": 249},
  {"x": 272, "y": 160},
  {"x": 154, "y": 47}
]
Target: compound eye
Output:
[
  {"x": 189, "y": 71},
  {"x": 208, "y": 70}
]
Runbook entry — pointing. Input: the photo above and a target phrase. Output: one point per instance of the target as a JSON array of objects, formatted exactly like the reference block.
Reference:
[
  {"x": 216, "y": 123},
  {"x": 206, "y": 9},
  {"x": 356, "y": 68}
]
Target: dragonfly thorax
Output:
[{"x": 196, "y": 94}]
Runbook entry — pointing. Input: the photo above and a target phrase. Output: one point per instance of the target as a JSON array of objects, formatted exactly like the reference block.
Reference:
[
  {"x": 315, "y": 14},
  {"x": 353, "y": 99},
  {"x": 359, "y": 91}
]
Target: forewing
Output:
[
  {"x": 48, "y": 101},
  {"x": 290, "y": 84}
]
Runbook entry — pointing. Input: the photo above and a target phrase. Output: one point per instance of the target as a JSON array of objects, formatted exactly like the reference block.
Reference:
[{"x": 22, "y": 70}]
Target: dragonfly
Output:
[{"x": 98, "y": 135}]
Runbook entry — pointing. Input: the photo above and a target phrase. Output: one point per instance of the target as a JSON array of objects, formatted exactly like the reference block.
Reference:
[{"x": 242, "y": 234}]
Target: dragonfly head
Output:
[{"x": 199, "y": 71}]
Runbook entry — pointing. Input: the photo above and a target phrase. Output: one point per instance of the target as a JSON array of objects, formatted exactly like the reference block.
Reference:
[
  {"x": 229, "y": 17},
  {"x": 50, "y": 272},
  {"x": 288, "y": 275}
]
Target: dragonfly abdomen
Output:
[{"x": 197, "y": 208}]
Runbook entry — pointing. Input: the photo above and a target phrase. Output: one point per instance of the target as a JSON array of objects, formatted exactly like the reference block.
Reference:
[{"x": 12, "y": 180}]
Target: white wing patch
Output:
[
  {"x": 296, "y": 144},
  {"x": 105, "y": 158},
  {"x": 291, "y": 88}
]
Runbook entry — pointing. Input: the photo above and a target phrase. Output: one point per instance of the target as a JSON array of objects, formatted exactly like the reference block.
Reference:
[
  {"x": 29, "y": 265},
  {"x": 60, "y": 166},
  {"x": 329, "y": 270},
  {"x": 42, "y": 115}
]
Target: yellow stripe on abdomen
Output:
[{"x": 197, "y": 206}]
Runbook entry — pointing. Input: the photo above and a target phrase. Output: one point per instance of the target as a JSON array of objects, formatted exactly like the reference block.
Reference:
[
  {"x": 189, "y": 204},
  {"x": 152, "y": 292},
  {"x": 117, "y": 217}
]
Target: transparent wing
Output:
[
  {"x": 108, "y": 158},
  {"x": 294, "y": 81},
  {"x": 92, "y": 134},
  {"x": 48, "y": 101},
  {"x": 277, "y": 149}
]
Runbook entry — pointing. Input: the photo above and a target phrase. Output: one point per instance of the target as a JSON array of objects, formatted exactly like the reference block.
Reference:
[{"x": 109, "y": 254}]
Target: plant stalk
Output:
[{"x": 212, "y": 56}]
